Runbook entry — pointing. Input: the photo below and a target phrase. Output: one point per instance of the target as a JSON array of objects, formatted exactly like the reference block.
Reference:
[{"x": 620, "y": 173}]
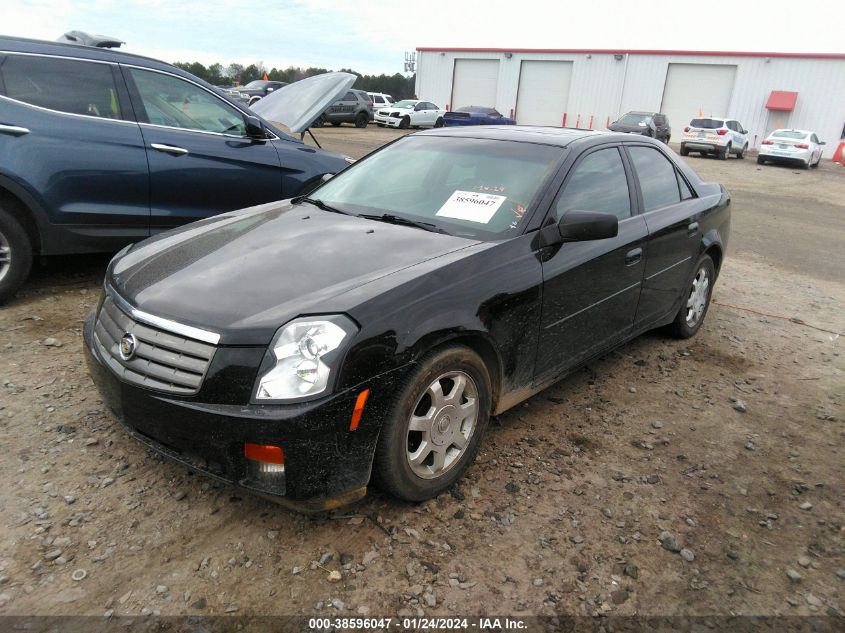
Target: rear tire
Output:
[
  {"x": 320, "y": 121},
  {"x": 362, "y": 120},
  {"x": 696, "y": 300},
  {"x": 439, "y": 122},
  {"x": 684, "y": 150},
  {"x": 761, "y": 160},
  {"x": 723, "y": 154},
  {"x": 15, "y": 255},
  {"x": 430, "y": 437},
  {"x": 336, "y": 123}
]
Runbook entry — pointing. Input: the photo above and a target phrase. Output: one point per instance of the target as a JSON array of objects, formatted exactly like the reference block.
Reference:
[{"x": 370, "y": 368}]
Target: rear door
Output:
[
  {"x": 77, "y": 147},
  {"x": 669, "y": 209},
  {"x": 342, "y": 109},
  {"x": 591, "y": 289},
  {"x": 201, "y": 161}
]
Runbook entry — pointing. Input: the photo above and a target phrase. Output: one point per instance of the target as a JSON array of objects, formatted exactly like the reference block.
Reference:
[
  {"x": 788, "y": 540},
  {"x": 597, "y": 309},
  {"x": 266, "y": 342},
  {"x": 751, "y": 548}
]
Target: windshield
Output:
[
  {"x": 634, "y": 118},
  {"x": 258, "y": 83},
  {"x": 789, "y": 134},
  {"x": 476, "y": 188},
  {"x": 707, "y": 124},
  {"x": 405, "y": 103}
]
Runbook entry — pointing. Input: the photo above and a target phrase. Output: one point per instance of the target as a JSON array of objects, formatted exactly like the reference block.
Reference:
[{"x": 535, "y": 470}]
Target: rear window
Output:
[
  {"x": 707, "y": 124},
  {"x": 789, "y": 134},
  {"x": 76, "y": 87},
  {"x": 635, "y": 118}
]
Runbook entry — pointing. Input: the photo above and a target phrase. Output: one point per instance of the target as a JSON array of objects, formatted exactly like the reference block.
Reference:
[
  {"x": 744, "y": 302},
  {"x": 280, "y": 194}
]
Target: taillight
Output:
[
  {"x": 721, "y": 132},
  {"x": 686, "y": 129},
  {"x": 802, "y": 146},
  {"x": 767, "y": 142}
]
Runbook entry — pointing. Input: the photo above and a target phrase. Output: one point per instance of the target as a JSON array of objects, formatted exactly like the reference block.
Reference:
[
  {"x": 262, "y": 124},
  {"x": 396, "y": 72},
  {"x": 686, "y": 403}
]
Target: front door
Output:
[
  {"x": 591, "y": 289},
  {"x": 201, "y": 161}
]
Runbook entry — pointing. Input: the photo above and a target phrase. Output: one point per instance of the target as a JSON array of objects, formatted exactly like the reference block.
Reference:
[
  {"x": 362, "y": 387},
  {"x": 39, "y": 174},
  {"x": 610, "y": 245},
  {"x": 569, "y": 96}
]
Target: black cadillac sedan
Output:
[{"x": 304, "y": 348}]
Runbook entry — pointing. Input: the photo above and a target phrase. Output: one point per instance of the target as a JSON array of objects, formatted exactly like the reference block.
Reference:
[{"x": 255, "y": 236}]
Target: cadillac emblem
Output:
[{"x": 128, "y": 343}]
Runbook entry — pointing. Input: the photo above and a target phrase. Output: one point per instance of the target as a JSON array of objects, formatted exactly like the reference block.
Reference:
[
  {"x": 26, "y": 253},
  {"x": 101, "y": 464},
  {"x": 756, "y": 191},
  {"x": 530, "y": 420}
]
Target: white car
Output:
[
  {"x": 714, "y": 135},
  {"x": 380, "y": 99},
  {"x": 410, "y": 113},
  {"x": 792, "y": 146}
]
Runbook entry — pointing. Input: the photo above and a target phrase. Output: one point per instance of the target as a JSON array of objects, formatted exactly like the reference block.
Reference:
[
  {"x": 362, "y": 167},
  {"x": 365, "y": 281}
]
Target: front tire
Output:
[
  {"x": 697, "y": 300},
  {"x": 761, "y": 160},
  {"x": 15, "y": 255},
  {"x": 439, "y": 122},
  {"x": 435, "y": 426},
  {"x": 405, "y": 123},
  {"x": 320, "y": 121}
]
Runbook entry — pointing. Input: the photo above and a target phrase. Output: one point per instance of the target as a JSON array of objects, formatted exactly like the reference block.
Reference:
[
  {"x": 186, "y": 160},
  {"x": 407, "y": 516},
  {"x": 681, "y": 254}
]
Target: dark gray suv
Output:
[
  {"x": 99, "y": 148},
  {"x": 356, "y": 107}
]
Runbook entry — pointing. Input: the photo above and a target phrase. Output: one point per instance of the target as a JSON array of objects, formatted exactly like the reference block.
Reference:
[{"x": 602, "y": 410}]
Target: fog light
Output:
[{"x": 270, "y": 459}]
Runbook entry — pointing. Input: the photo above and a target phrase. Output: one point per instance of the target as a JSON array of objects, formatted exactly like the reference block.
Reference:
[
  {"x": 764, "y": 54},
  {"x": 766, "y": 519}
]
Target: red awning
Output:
[{"x": 782, "y": 100}]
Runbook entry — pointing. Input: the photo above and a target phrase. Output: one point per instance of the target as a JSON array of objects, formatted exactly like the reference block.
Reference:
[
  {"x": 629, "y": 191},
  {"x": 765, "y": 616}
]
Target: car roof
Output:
[
  {"x": 62, "y": 49},
  {"x": 523, "y": 133},
  {"x": 792, "y": 129}
]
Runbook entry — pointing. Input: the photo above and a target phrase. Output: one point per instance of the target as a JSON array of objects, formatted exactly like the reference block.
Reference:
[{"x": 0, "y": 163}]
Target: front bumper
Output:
[
  {"x": 389, "y": 121},
  {"x": 326, "y": 464}
]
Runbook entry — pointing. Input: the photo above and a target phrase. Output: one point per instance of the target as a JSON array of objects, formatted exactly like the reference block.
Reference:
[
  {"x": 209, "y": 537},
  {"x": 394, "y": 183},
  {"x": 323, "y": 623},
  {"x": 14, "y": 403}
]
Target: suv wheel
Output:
[
  {"x": 694, "y": 308},
  {"x": 405, "y": 123},
  {"x": 434, "y": 427},
  {"x": 684, "y": 150},
  {"x": 362, "y": 119},
  {"x": 724, "y": 153},
  {"x": 320, "y": 121},
  {"x": 741, "y": 153},
  {"x": 15, "y": 255}
]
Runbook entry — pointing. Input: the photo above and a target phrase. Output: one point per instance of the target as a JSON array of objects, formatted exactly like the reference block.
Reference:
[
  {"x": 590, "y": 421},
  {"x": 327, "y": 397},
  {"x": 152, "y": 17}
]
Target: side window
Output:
[
  {"x": 658, "y": 180},
  {"x": 814, "y": 138},
  {"x": 378, "y": 99},
  {"x": 174, "y": 102},
  {"x": 350, "y": 96},
  {"x": 686, "y": 193},
  {"x": 66, "y": 85},
  {"x": 597, "y": 184}
]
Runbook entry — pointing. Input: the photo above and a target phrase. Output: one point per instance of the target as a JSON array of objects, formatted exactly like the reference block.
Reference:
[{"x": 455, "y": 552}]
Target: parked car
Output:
[
  {"x": 476, "y": 115},
  {"x": 256, "y": 90},
  {"x": 380, "y": 99},
  {"x": 99, "y": 148},
  {"x": 355, "y": 107},
  {"x": 800, "y": 147},
  {"x": 376, "y": 325},
  {"x": 720, "y": 136},
  {"x": 410, "y": 113},
  {"x": 653, "y": 124}
]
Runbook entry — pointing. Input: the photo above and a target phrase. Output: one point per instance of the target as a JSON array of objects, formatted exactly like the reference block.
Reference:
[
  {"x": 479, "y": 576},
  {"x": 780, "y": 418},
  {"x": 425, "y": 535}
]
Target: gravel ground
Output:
[{"x": 667, "y": 478}]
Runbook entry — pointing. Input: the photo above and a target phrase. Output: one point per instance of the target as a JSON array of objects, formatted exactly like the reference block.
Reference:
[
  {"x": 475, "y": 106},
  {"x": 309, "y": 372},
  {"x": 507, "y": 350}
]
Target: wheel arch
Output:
[
  {"x": 25, "y": 208},
  {"x": 714, "y": 250}
]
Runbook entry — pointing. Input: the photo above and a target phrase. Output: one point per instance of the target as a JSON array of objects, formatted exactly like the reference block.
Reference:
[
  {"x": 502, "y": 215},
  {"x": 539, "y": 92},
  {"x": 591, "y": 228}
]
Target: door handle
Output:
[
  {"x": 169, "y": 149},
  {"x": 692, "y": 229},
  {"x": 14, "y": 130},
  {"x": 633, "y": 257}
]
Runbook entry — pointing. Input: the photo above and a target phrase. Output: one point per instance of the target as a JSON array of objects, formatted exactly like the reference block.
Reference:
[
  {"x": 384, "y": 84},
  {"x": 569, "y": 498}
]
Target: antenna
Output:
[{"x": 410, "y": 61}]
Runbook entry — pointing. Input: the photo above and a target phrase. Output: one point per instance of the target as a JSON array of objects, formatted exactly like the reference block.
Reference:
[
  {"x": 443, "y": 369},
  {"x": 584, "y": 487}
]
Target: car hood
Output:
[
  {"x": 245, "y": 274},
  {"x": 300, "y": 103}
]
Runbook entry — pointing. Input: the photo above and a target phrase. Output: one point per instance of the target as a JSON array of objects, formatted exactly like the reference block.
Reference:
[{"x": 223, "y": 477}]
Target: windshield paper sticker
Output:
[{"x": 471, "y": 206}]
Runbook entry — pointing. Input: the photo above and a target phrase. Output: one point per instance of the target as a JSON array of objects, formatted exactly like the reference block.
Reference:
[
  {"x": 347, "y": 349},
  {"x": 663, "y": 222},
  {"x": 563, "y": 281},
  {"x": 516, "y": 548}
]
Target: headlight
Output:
[{"x": 302, "y": 356}]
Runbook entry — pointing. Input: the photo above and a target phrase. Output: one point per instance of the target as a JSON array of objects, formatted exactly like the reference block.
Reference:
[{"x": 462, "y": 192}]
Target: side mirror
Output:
[
  {"x": 254, "y": 128},
  {"x": 580, "y": 226},
  {"x": 744, "y": 131},
  {"x": 822, "y": 143}
]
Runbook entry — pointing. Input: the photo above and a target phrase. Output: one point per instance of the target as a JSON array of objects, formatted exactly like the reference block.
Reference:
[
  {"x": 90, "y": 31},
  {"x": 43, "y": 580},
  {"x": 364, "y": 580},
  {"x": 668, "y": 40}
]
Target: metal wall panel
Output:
[
  {"x": 605, "y": 85},
  {"x": 543, "y": 92}
]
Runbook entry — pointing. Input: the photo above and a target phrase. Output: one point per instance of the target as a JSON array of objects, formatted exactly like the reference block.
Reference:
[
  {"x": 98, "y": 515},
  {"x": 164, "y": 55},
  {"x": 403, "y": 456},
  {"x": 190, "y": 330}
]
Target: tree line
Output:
[{"x": 398, "y": 85}]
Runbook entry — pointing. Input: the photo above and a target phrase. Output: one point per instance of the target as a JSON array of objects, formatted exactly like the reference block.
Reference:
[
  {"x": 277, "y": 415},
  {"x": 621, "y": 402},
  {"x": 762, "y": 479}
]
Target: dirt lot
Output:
[{"x": 732, "y": 443}]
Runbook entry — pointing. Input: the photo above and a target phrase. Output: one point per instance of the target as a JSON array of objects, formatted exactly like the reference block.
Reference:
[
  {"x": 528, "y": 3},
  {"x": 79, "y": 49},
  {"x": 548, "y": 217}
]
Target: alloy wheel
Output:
[
  {"x": 5, "y": 256},
  {"x": 698, "y": 297},
  {"x": 441, "y": 424}
]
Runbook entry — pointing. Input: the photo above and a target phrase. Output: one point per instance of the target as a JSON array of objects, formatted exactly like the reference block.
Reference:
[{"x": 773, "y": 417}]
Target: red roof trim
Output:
[
  {"x": 782, "y": 100},
  {"x": 610, "y": 51}
]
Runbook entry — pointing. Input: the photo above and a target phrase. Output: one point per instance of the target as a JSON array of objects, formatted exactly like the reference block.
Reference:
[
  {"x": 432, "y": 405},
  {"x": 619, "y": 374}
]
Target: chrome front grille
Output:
[{"x": 160, "y": 360}]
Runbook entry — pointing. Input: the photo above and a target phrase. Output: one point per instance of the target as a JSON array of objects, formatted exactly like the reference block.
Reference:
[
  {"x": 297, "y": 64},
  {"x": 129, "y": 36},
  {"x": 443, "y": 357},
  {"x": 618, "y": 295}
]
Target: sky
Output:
[{"x": 371, "y": 36}]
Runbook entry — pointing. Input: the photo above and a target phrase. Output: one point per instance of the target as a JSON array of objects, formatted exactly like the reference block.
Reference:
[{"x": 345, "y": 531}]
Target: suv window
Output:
[
  {"x": 658, "y": 180},
  {"x": 707, "y": 124},
  {"x": 659, "y": 119},
  {"x": 378, "y": 99},
  {"x": 174, "y": 102},
  {"x": 597, "y": 184},
  {"x": 66, "y": 85},
  {"x": 350, "y": 96}
]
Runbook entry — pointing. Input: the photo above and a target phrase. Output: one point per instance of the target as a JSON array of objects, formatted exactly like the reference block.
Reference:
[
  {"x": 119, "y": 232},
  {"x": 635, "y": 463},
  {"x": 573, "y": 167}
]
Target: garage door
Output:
[
  {"x": 543, "y": 92},
  {"x": 696, "y": 89},
  {"x": 475, "y": 83}
]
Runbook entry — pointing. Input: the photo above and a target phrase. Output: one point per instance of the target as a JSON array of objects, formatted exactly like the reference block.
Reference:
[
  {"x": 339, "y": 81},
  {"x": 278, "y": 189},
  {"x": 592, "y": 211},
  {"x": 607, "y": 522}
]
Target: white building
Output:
[{"x": 589, "y": 88}]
